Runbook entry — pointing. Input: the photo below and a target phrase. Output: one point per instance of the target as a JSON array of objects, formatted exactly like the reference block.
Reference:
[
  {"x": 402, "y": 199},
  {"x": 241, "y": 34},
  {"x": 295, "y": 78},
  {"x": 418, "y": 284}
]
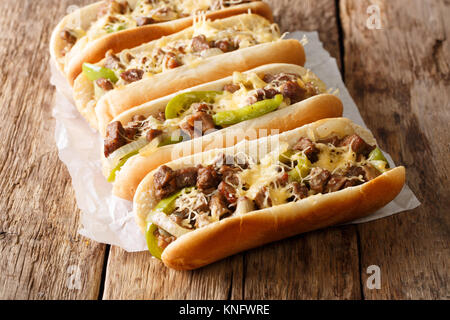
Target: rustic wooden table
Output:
[{"x": 399, "y": 77}]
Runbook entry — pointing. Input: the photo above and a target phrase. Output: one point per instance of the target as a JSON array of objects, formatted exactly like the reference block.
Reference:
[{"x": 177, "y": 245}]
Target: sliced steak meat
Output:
[
  {"x": 152, "y": 134},
  {"x": 336, "y": 183},
  {"x": 229, "y": 174},
  {"x": 143, "y": 21},
  {"x": 358, "y": 145},
  {"x": 68, "y": 37},
  {"x": 199, "y": 43},
  {"x": 231, "y": 87},
  {"x": 309, "y": 149},
  {"x": 207, "y": 178},
  {"x": 319, "y": 179},
  {"x": 202, "y": 107},
  {"x": 228, "y": 192},
  {"x": 104, "y": 84},
  {"x": 198, "y": 123},
  {"x": 132, "y": 75},
  {"x": 112, "y": 61},
  {"x": 293, "y": 91},
  {"x": 111, "y": 7},
  {"x": 161, "y": 116},
  {"x": 224, "y": 45},
  {"x": 370, "y": 172},
  {"x": 218, "y": 205},
  {"x": 164, "y": 182},
  {"x": 299, "y": 190},
  {"x": 283, "y": 179},
  {"x": 115, "y": 137},
  {"x": 172, "y": 61},
  {"x": 262, "y": 198},
  {"x": 186, "y": 177}
]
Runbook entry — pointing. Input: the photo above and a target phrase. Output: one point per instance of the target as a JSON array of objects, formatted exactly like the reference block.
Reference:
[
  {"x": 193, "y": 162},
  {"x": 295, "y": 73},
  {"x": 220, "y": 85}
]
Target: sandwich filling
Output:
[
  {"x": 197, "y": 113},
  {"x": 194, "y": 197},
  {"x": 205, "y": 39},
  {"x": 118, "y": 15}
]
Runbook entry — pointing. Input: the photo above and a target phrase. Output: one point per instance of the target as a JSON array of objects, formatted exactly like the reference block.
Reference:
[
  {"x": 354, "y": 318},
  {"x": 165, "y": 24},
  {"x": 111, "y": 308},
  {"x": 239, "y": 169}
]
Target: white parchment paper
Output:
[{"x": 108, "y": 219}]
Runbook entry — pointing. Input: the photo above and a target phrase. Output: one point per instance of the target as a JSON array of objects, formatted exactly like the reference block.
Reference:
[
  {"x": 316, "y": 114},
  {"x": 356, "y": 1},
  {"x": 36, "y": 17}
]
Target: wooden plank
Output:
[
  {"x": 321, "y": 264},
  {"x": 42, "y": 255},
  {"x": 399, "y": 77}
]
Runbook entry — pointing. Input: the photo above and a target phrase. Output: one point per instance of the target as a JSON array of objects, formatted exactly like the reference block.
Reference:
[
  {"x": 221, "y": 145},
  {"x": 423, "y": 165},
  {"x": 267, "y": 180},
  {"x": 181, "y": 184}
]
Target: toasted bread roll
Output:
[
  {"x": 182, "y": 60},
  {"x": 309, "y": 107},
  {"x": 85, "y": 35},
  {"x": 335, "y": 174}
]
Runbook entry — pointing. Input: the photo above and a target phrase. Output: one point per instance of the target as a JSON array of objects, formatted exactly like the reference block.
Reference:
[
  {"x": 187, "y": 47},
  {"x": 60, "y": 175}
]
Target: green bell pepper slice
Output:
[
  {"x": 166, "y": 205},
  {"x": 377, "y": 158},
  {"x": 286, "y": 156},
  {"x": 152, "y": 242},
  {"x": 301, "y": 170},
  {"x": 169, "y": 140},
  {"x": 255, "y": 110},
  {"x": 94, "y": 72},
  {"x": 180, "y": 103},
  {"x": 112, "y": 175}
]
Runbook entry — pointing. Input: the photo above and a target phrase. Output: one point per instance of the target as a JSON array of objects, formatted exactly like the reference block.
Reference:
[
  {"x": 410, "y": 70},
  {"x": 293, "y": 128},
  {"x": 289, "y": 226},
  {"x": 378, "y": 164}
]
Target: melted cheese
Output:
[{"x": 333, "y": 158}]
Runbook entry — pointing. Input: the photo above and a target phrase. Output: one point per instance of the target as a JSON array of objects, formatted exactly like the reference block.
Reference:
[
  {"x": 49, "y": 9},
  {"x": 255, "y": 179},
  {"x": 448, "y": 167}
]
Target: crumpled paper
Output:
[{"x": 108, "y": 219}]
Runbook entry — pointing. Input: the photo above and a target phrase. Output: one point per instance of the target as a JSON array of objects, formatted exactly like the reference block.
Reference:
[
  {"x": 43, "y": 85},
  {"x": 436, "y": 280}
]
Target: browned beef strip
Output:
[
  {"x": 222, "y": 160},
  {"x": 319, "y": 180},
  {"x": 201, "y": 106},
  {"x": 186, "y": 177},
  {"x": 172, "y": 61},
  {"x": 68, "y": 37},
  {"x": 300, "y": 190},
  {"x": 111, "y": 7},
  {"x": 309, "y": 148},
  {"x": 112, "y": 61},
  {"x": 218, "y": 205},
  {"x": 229, "y": 174},
  {"x": 283, "y": 179},
  {"x": 263, "y": 94},
  {"x": 228, "y": 192},
  {"x": 207, "y": 178},
  {"x": 358, "y": 145},
  {"x": 230, "y": 87},
  {"x": 152, "y": 134},
  {"x": 115, "y": 137},
  {"x": 105, "y": 84},
  {"x": 262, "y": 198},
  {"x": 164, "y": 182},
  {"x": 370, "y": 172},
  {"x": 293, "y": 91},
  {"x": 198, "y": 123},
  {"x": 199, "y": 43},
  {"x": 132, "y": 75},
  {"x": 268, "y": 78},
  {"x": 142, "y": 21},
  {"x": 224, "y": 45},
  {"x": 161, "y": 116},
  {"x": 336, "y": 182}
]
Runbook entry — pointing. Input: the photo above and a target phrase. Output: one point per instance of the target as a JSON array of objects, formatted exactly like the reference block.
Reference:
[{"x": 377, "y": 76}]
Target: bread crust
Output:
[
  {"x": 231, "y": 235},
  {"x": 309, "y": 110},
  {"x": 95, "y": 50},
  {"x": 209, "y": 69}
]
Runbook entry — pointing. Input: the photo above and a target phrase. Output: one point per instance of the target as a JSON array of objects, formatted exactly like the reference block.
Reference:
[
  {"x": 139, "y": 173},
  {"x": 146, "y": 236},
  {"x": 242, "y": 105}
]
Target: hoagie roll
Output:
[
  {"x": 86, "y": 34},
  {"x": 205, "y": 52},
  {"x": 263, "y": 101},
  {"x": 199, "y": 209}
]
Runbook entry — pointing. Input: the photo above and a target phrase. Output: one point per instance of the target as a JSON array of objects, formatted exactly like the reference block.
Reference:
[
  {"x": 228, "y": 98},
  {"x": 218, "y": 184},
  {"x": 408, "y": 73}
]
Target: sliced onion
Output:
[
  {"x": 150, "y": 147},
  {"x": 115, "y": 157},
  {"x": 211, "y": 52},
  {"x": 164, "y": 222}
]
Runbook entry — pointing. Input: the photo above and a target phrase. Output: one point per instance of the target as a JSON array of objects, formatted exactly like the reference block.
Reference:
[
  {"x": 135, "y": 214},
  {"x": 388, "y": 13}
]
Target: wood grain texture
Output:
[
  {"x": 319, "y": 265},
  {"x": 42, "y": 256},
  {"x": 399, "y": 77}
]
